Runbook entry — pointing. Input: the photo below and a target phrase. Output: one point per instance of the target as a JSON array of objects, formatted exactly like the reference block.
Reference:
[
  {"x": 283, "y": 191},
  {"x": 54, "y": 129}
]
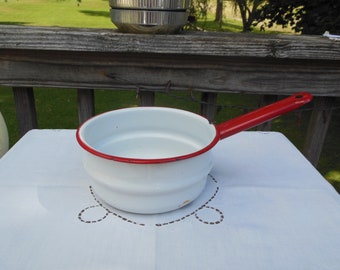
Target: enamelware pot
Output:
[{"x": 152, "y": 160}]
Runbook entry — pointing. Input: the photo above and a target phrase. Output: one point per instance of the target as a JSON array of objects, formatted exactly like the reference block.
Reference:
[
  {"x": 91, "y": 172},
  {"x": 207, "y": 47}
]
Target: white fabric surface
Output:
[{"x": 265, "y": 207}]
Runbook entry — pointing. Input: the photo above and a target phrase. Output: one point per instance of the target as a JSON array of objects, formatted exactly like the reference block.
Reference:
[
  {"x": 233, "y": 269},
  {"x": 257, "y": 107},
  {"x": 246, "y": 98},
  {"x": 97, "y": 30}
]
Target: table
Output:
[{"x": 264, "y": 207}]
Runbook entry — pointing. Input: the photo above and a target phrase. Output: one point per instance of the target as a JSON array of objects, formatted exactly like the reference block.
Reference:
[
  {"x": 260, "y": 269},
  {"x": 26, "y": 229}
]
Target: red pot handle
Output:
[{"x": 262, "y": 115}]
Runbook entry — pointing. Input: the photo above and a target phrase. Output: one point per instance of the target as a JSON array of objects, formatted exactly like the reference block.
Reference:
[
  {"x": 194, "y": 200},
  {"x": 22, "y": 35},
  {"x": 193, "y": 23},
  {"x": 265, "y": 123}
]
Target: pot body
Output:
[
  {"x": 148, "y": 188},
  {"x": 135, "y": 157},
  {"x": 139, "y": 21}
]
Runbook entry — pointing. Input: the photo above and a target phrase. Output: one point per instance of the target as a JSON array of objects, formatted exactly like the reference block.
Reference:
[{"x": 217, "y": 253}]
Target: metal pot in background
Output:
[{"x": 149, "y": 16}]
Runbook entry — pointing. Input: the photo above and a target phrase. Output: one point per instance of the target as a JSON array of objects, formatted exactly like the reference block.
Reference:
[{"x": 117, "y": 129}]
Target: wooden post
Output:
[
  {"x": 318, "y": 127},
  {"x": 208, "y": 105},
  {"x": 147, "y": 98},
  {"x": 25, "y": 109},
  {"x": 86, "y": 108}
]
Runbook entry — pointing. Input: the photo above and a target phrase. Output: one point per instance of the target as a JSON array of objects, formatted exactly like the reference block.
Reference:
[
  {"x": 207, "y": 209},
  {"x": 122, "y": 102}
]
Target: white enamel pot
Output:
[{"x": 152, "y": 160}]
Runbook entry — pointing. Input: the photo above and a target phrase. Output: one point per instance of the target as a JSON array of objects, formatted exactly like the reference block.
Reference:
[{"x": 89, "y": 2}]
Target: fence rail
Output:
[{"x": 212, "y": 63}]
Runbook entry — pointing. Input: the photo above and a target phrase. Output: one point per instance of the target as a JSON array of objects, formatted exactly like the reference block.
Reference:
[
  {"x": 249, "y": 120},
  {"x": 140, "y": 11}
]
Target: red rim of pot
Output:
[{"x": 142, "y": 160}]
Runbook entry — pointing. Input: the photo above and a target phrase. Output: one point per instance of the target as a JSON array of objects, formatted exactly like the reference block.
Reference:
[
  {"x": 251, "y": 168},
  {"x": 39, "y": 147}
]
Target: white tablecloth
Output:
[{"x": 264, "y": 207}]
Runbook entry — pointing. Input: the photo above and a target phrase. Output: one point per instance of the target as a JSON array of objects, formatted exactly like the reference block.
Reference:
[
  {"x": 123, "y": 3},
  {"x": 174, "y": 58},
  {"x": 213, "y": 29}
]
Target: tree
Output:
[
  {"x": 305, "y": 16},
  {"x": 248, "y": 10},
  {"x": 219, "y": 11}
]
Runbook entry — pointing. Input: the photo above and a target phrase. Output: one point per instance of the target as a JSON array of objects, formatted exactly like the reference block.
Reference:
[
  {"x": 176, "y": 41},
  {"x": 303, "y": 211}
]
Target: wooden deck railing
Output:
[{"x": 212, "y": 63}]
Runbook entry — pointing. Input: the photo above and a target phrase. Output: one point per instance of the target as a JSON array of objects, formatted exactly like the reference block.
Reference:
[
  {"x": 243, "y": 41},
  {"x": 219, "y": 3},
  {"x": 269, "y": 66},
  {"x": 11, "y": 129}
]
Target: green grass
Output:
[
  {"x": 233, "y": 24},
  {"x": 66, "y": 13},
  {"x": 57, "y": 108},
  {"x": 88, "y": 14}
]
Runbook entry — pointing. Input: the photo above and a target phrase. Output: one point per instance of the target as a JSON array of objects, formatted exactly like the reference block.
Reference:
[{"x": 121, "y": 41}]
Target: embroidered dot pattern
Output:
[{"x": 195, "y": 213}]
